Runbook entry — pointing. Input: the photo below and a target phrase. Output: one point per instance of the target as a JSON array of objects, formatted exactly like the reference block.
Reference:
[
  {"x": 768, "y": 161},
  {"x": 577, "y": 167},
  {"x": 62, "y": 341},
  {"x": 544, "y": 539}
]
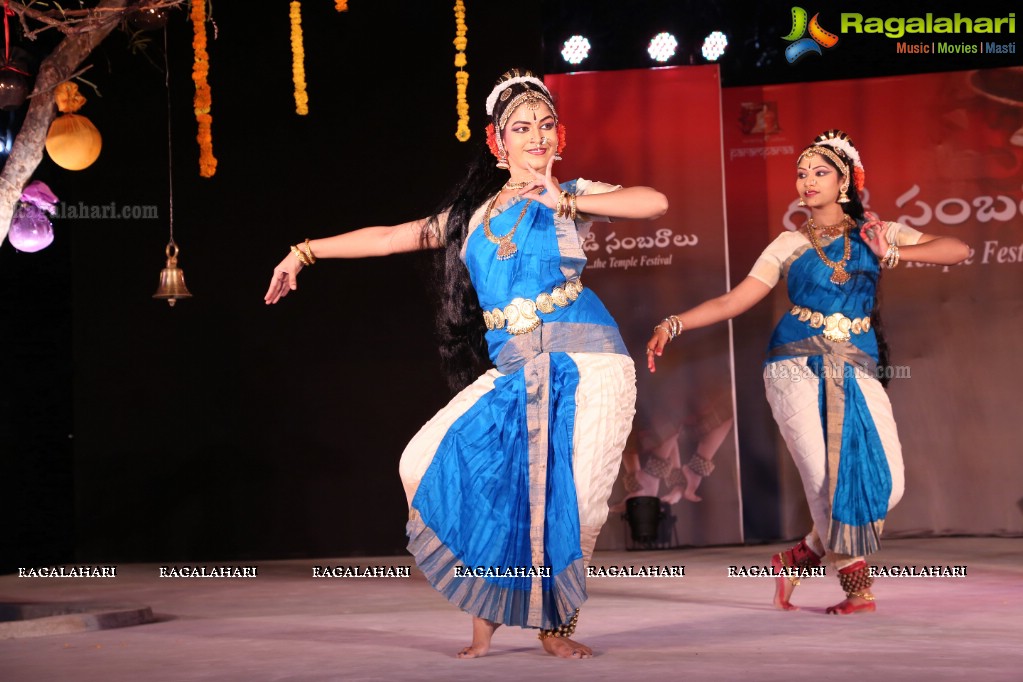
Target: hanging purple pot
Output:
[{"x": 31, "y": 229}]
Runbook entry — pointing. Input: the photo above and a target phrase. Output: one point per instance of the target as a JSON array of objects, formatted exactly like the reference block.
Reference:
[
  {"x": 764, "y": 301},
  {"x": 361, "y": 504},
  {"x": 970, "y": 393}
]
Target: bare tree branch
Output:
[
  {"x": 93, "y": 26},
  {"x": 74, "y": 21}
]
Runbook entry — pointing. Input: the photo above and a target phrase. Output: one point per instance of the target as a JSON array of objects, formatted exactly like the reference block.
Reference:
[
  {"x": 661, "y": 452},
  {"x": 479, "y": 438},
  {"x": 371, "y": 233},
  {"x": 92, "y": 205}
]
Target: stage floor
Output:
[{"x": 287, "y": 625}]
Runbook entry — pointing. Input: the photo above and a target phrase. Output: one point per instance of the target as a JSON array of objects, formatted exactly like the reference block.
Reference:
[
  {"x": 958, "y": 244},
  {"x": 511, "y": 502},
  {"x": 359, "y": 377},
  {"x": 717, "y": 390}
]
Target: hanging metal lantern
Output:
[
  {"x": 13, "y": 88},
  {"x": 14, "y": 79}
]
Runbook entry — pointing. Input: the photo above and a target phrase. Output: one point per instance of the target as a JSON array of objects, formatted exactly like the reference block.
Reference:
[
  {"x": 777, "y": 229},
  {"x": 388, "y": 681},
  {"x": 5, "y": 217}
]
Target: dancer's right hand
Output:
[{"x": 283, "y": 279}]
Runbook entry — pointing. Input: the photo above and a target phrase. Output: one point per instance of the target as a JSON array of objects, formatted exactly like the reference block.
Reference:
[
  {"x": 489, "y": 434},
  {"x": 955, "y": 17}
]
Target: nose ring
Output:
[{"x": 543, "y": 140}]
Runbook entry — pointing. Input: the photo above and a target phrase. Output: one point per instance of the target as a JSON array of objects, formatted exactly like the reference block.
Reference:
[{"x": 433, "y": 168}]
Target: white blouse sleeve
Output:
[
  {"x": 583, "y": 186},
  {"x": 902, "y": 235},
  {"x": 774, "y": 261}
]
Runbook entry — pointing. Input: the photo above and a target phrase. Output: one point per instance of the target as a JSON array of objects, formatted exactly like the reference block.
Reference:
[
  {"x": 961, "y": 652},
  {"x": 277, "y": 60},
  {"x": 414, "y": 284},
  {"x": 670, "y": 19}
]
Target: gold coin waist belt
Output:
[
  {"x": 519, "y": 316},
  {"x": 837, "y": 327}
]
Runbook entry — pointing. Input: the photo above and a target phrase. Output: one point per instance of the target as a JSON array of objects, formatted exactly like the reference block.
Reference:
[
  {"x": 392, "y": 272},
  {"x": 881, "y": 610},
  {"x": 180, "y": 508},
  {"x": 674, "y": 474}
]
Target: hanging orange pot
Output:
[{"x": 72, "y": 141}]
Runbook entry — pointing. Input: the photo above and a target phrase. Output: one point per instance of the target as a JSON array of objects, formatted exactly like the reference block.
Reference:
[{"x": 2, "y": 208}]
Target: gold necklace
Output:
[
  {"x": 506, "y": 248},
  {"x": 515, "y": 185},
  {"x": 839, "y": 276},
  {"x": 830, "y": 231}
]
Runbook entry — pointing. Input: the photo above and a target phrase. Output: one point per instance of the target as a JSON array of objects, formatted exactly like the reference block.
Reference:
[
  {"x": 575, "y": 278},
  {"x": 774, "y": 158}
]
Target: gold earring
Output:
[
  {"x": 502, "y": 162},
  {"x": 843, "y": 198},
  {"x": 801, "y": 202}
]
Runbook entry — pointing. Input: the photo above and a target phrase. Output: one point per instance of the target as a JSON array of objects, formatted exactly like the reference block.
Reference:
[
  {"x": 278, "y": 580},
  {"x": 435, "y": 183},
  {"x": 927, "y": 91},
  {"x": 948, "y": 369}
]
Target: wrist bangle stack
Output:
[
  {"x": 304, "y": 253},
  {"x": 565, "y": 208},
  {"x": 891, "y": 256},
  {"x": 671, "y": 325},
  {"x": 560, "y": 207}
]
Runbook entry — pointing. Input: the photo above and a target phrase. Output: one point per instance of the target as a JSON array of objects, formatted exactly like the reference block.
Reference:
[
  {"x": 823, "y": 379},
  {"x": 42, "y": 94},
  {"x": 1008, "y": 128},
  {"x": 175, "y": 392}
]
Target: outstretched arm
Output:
[
  {"x": 628, "y": 203},
  {"x": 744, "y": 296},
  {"x": 368, "y": 241}
]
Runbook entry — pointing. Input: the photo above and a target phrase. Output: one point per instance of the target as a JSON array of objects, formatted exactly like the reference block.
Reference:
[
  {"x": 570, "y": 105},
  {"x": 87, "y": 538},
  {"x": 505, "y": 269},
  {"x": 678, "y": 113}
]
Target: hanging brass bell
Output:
[{"x": 172, "y": 279}]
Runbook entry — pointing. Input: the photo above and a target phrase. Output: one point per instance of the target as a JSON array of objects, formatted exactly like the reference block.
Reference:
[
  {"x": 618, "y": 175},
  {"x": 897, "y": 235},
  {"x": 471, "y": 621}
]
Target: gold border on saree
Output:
[
  {"x": 519, "y": 316},
  {"x": 837, "y": 327}
]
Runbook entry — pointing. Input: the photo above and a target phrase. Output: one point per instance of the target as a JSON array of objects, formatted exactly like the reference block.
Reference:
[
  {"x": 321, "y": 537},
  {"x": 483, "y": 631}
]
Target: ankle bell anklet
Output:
[
  {"x": 799, "y": 557},
  {"x": 700, "y": 466},
  {"x": 565, "y": 630},
  {"x": 856, "y": 581}
]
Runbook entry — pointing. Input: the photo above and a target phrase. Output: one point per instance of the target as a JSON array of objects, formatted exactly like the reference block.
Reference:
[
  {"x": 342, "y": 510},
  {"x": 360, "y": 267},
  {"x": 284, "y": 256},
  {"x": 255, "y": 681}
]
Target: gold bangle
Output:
[
  {"x": 308, "y": 251},
  {"x": 672, "y": 326},
  {"x": 563, "y": 205},
  {"x": 894, "y": 260},
  {"x": 299, "y": 255},
  {"x": 571, "y": 203}
]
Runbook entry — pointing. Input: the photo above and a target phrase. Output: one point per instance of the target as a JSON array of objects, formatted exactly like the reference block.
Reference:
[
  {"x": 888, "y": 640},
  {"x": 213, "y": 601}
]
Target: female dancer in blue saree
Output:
[
  {"x": 508, "y": 484},
  {"x": 824, "y": 360}
]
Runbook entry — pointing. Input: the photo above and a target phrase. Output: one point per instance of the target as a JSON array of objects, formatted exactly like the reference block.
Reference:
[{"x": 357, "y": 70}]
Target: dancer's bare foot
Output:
[
  {"x": 672, "y": 496},
  {"x": 563, "y": 647},
  {"x": 853, "y": 605},
  {"x": 783, "y": 587},
  {"x": 482, "y": 631},
  {"x": 692, "y": 483},
  {"x": 647, "y": 487}
]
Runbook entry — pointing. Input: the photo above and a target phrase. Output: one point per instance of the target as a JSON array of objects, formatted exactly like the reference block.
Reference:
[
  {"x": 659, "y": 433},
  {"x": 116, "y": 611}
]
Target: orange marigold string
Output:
[
  {"x": 462, "y": 133},
  {"x": 298, "y": 60},
  {"x": 203, "y": 100},
  {"x": 341, "y": 5}
]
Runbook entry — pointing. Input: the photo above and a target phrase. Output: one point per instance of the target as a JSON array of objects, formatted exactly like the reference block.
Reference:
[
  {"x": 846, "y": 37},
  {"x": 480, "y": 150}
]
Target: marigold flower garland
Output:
[
  {"x": 461, "y": 76},
  {"x": 203, "y": 100},
  {"x": 341, "y": 5},
  {"x": 298, "y": 60}
]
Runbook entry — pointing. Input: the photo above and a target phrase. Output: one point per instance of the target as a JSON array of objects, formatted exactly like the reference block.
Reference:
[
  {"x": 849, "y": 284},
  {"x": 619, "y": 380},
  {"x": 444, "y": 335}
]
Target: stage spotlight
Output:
[
  {"x": 714, "y": 46},
  {"x": 662, "y": 47},
  {"x": 644, "y": 515},
  {"x": 576, "y": 49}
]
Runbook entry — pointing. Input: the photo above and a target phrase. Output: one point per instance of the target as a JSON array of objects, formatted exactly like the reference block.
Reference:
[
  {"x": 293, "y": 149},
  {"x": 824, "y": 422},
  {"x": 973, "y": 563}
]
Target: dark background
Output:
[{"x": 224, "y": 429}]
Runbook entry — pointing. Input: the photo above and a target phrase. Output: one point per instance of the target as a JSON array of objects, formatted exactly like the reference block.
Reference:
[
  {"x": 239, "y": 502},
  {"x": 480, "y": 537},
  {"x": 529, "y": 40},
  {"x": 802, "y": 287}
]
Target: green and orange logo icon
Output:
[{"x": 801, "y": 45}]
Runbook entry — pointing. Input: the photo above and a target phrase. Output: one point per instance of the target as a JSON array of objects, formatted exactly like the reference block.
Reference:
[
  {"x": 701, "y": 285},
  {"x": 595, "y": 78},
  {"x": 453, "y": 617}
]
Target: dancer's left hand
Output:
[
  {"x": 873, "y": 233},
  {"x": 655, "y": 347}
]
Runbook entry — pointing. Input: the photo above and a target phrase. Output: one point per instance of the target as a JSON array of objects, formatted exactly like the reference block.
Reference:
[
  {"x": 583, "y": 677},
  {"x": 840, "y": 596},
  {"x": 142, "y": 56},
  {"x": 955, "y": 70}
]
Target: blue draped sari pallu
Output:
[{"x": 494, "y": 523}]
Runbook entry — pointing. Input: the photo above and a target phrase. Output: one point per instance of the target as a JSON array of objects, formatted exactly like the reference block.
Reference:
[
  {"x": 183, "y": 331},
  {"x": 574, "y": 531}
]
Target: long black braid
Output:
[{"x": 463, "y": 347}]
